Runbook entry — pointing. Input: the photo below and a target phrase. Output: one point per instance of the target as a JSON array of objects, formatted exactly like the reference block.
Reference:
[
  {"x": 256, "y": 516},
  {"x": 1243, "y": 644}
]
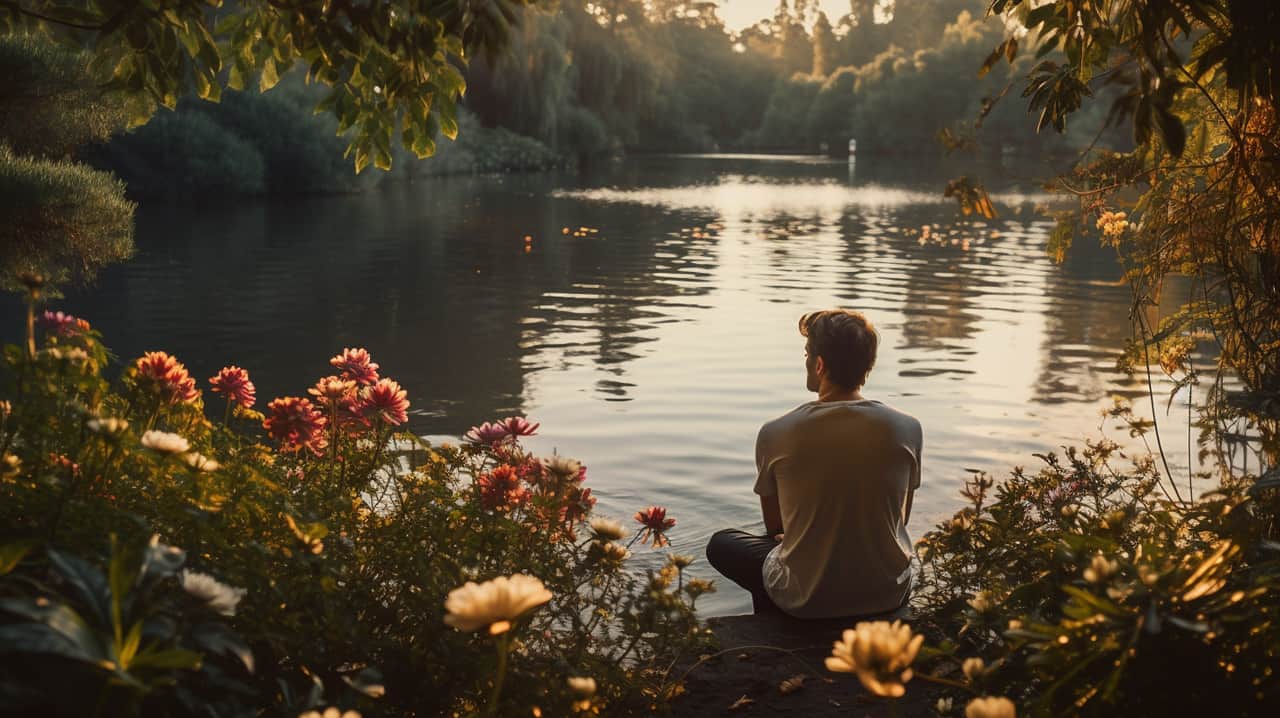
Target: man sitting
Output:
[{"x": 836, "y": 478}]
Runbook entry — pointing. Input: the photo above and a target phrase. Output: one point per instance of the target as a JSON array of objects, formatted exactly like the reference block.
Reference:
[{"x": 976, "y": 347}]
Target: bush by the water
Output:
[{"x": 157, "y": 561}]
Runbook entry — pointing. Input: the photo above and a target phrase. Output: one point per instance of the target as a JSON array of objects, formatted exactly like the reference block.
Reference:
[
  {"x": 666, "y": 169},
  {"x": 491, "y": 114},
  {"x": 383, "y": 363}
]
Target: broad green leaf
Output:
[
  {"x": 269, "y": 78},
  {"x": 12, "y": 553}
]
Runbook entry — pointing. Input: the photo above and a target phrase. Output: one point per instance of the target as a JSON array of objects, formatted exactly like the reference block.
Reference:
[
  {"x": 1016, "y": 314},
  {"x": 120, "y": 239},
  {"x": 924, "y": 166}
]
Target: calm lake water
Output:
[{"x": 653, "y": 348}]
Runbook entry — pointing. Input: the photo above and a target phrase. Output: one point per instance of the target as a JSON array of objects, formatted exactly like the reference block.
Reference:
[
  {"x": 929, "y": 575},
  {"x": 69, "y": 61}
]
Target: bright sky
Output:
[{"x": 738, "y": 14}]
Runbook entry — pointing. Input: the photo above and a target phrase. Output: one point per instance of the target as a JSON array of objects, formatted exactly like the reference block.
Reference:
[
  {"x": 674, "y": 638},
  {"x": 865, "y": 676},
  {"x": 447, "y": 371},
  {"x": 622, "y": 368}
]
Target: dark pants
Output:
[{"x": 740, "y": 557}]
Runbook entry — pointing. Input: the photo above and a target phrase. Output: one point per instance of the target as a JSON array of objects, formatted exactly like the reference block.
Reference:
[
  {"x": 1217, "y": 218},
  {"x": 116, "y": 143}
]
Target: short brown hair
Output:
[{"x": 846, "y": 341}]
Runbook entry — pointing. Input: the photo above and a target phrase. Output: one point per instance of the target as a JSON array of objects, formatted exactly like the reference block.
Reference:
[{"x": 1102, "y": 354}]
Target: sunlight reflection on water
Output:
[{"x": 654, "y": 348}]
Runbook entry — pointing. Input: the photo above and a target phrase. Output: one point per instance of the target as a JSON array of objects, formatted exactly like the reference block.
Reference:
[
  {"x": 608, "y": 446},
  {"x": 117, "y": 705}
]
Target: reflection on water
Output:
[{"x": 654, "y": 348}]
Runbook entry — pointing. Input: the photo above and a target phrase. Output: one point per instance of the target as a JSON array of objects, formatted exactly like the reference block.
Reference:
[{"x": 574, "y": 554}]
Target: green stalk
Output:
[{"x": 503, "y": 645}]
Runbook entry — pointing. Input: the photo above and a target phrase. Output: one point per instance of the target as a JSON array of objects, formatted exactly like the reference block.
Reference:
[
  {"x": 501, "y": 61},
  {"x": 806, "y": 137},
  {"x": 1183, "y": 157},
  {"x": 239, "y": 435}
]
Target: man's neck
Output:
[{"x": 835, "y": 393}]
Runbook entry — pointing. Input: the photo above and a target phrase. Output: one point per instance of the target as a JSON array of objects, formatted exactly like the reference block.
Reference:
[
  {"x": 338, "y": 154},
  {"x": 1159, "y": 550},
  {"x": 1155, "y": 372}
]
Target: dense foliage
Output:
[
  {"x": 328, "y": 542},
  {"x": 1104, "y": 584}
]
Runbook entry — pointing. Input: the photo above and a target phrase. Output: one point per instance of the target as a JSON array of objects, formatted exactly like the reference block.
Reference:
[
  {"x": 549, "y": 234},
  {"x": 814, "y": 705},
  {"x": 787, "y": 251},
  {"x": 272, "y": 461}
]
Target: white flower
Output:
[
  {"x": 108, "y": 425},
  {"x": 200, "y": 462},
  {"x": 989, "y": 707},
  {"x": 217, "y": 595},
  {"x": 943, "y": 705},
  {"x": 612, "y": 552},
  {"x": 330, "y": 712},
  {"x": 563, "y": 466},
  {"x": 1100, "y": 569},
  {"x": 164, "y": 442},
  {"x": 494, "y": 604},
  {"x": 607, "y": 529},
  {"x": 879, "y": 653}
]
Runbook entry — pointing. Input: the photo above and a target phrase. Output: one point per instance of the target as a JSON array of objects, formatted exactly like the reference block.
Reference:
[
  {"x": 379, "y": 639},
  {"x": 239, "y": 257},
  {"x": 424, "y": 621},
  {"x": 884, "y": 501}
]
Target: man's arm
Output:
[{"x": 772, "y": 514}]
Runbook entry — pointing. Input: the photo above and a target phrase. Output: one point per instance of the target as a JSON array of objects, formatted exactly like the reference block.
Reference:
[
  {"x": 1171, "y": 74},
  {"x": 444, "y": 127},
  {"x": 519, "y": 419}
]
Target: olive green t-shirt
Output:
[{"x": 844, "y": 473}]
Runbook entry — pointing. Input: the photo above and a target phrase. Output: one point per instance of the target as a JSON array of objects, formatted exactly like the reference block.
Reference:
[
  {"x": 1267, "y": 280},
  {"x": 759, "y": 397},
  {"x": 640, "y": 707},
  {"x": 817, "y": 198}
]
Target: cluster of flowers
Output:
[
  {"x": 63, "y": 325},
  {"x": 880, "y": 654},
  {"x": 353, "y": 400},
  {"x": 1113, "y": 224}
]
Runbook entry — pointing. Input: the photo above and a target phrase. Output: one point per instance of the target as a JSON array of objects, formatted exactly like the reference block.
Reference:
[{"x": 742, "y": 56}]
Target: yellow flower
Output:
[
  {"x": 989, "y": 707},
  {"x": 981, "y": 602},
  {"x": 680, "y": 561},
  {"x": 879, "y": 653},
  {"x": 330, "y": 712},
  {"x": 973, "y": 668},
  {"x": 1100, "y": 569},
  {"x": 584, "y": 688},
  {"x": 494, "y": 604}
]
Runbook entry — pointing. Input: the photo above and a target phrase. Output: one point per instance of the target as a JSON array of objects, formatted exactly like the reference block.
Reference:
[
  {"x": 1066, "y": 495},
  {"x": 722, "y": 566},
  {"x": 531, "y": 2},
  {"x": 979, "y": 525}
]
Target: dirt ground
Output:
[{"x": 760, "y": 652}]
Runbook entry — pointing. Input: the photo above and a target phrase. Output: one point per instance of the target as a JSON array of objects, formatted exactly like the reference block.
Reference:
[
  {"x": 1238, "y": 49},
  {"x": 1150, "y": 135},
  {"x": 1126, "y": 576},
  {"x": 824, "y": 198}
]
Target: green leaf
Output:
[
  {"x": 12, "y": 553},
  {"x": 1171, "y": 130},
  {"x": 129, "y": 648},
  {"x": 217, "y": 638},
  {"x": 89, "y": 584},
  {"x": 269, "y": 78},
  {"x": 169, "y": 658}
]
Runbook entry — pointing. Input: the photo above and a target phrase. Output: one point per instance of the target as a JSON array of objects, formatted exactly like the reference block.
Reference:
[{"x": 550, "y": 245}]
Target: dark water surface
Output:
[{"x": 654, "y": 348}]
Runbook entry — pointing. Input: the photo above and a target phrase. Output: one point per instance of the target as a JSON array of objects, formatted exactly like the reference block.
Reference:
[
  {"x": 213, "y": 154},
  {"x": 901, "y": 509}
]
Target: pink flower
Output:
[
  {"x": 487, "y": 433},
  {"x": 296, "y": 424},
  {"x": 501, "y": 488},
  {"x": 500, "y": 431},
  {"x": 356, "y": 365},
  {"x": 386, "y": 401},
  {"x": 233, "y": 382},
  {"x": 655, "y": 522},
  {"x": 333, "y": 390},
  {"x": 161, "y": 373},
  {"x": 63, "y": 325},
  {"x": 518, "y": 426}
]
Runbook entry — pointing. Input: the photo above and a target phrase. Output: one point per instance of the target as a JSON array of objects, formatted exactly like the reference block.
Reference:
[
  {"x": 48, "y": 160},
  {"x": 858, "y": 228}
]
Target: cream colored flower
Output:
[
  {"x": 164, "y": 442},
  {"x": 108, "y": 425},
  {"x": 584, "y": 688},
  {"x": 607, "y": 529},
  {"x": 973, "y": 668},
  {"x": 612, "y": 552},
  {"x": 1100, "y": 569},
  {"x": 200, "y": 462},
  {"x": 879, "y": 653},
  {"x": 680, "y": 560},
  {"x": 943, "y": 705},
  {"x": 562, "y": 466},
  {"x": 990, "y": 707},
  {"x": 494, "y": 604},
  {"x": 330, "y": 712},
  {"x": 217, "y": 595},
  {"x": 981, "y": 602}
]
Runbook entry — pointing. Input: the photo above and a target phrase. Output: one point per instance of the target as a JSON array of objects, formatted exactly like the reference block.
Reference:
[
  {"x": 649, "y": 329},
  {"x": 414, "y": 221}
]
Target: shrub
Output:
[
  {"x": 346, "y": 535},
  {"x": 1086, "y": 588}
]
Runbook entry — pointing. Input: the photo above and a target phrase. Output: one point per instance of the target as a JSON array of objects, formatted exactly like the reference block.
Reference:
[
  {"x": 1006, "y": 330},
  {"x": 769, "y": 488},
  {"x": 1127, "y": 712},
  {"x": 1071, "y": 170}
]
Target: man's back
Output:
[{"x": 844, "y": 473}]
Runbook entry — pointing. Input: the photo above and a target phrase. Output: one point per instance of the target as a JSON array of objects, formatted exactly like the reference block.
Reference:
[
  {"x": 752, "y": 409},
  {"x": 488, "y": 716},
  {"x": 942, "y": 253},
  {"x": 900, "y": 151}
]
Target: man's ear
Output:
[{"x": 819, "y": 367}]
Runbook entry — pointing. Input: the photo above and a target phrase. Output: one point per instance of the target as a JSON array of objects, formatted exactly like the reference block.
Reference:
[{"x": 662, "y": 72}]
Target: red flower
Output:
[
  {"x": 233, "y": 382},
  {"x": 655, "y": 522},
  {"x": 161, "y": 373},
  {"x": 63, "y": 325},
  {"x": 356, "y": 365},
  {"x": 501, "y": 488},
  {"x": 386, "y": 401},
  {"x": 296, "y": 424}
]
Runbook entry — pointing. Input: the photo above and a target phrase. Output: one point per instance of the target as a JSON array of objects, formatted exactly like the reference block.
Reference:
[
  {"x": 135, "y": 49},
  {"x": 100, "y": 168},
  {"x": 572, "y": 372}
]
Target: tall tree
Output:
[{"x": 824, "y": 46}]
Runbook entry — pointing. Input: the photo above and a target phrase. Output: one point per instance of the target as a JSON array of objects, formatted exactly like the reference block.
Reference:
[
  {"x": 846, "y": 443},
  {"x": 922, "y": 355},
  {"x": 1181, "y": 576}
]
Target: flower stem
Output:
[{"x": 492, "y": 708}]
